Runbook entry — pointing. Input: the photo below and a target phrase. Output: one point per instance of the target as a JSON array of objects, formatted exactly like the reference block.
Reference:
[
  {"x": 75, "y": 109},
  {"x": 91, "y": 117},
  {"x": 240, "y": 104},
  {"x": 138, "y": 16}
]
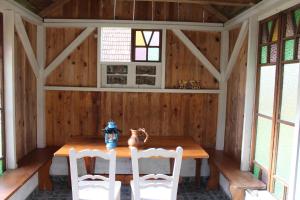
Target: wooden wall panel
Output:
[
  {"x": 159, "y": 11},
  {"x": 86, "y": 113},
  {"x": 181, "y": 64},
  {"x": 80, "y": 67},
  {"x": 236, "y": 100},
  {"x": 25, "y": 94}
]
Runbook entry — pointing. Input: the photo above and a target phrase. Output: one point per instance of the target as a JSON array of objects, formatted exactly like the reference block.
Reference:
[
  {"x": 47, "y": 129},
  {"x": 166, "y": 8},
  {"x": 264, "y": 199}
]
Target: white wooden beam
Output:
[
  {"x": 67, "y": 51},
  {"x": 82, "y": 23},
  {"x": 236, "y": 50},
  {"x": 95, "y": 89},
  {"x": 99, "y": 74},
  {"x": 222, "y": 96},
  {"x": 41, "y": 57},
  {"x": 249, "y": 93},
  {"x": 163, "y": 58},
  {"x": 9, "y": 90},
  {"x": 189, "y": 44},
  {"x": 26, "y": 44}
]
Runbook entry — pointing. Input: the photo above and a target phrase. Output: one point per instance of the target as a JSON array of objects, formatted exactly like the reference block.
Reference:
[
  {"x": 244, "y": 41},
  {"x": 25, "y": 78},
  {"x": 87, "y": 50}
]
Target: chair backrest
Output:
[
  {"x": 75, "y": 179},
  {"x": 171, "y": 181}
]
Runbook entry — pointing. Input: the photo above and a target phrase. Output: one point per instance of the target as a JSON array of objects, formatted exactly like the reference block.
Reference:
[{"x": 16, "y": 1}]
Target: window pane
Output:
[
  {"x": 266, "y": 90},
  {"x": 256, "y": 171},
  {"x": 299, "y": 48},
  {"x": 275, "y": 33},
  {"x": 140, "y": 54},
  {"x": 139, "y": 39},
  {"x": 289, "y": 92},
  {"x": 155, "y": 39},
  {"x": 264, "y": 33},
  {"x": 1, "y": 167},
  {"x": 117, "y": 69},
  {"x": 284, "y": 153},
  {"x": 150, "y": 70},
  {"x": 273, "y": 53},
  {"x": 147, "y": 35},
  {"x": 297, "y": 16},
  {"x": 278, "y": 190},
  {"x": 153, "y": 54},
  {"x": 115, "y": 44},
  {"x": 263, "y": 141},
  {"x": 145, "y": 80},
  {"x": 263, "y": 57},
  {"x": 289, "y": 26},
  {"x": 122, "y": 80},
  {"x": 270, "y": 24},
  {"x": 289, "y": 50}
]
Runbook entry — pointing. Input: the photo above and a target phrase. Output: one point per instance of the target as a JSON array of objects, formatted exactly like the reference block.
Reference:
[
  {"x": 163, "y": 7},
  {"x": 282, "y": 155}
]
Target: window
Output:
[
  {"x": 2, "y": 156},
  {"x": 277, "y": 90},
  {"x": 130, "y": 58}
]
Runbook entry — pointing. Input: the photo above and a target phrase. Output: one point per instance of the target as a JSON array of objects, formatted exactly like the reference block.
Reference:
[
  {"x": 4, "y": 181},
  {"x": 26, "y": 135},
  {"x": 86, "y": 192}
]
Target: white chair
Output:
[
  {"x": 155, "y": 186},
  {"x": 91, "y": 187}
]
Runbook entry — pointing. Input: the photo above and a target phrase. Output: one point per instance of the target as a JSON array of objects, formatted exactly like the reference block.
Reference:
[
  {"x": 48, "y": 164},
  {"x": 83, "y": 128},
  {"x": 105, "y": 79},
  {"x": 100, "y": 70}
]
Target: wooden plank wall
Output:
[
  {"x": 25, "y": 94},
  {"x": 236, "y": 100},
  {"x": 85, "y": 113},
  {"x": 104, "y": 9}
]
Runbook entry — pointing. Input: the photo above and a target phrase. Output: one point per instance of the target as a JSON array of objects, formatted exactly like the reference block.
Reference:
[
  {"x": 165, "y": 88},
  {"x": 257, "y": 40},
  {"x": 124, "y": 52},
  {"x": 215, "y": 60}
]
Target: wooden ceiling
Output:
[{"x": 221, "y": 10}]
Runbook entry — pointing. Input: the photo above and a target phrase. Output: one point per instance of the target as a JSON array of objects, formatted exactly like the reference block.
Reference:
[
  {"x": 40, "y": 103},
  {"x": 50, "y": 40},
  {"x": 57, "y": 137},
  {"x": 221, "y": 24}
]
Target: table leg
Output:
[
  {"x": 45, "y": 182},
  {"x": 213, "y": 181},
  {"x": 69, "y": 172},
  {"x": 198, "y": 171}
]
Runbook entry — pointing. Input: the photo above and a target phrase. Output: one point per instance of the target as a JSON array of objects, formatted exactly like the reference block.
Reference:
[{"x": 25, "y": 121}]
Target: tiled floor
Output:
[{"x": 187, "y": 190}]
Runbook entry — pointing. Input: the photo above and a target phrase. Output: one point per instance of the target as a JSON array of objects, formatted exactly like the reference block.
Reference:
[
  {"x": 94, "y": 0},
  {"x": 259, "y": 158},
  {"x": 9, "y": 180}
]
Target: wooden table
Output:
[{"x": 191, "y": 150}]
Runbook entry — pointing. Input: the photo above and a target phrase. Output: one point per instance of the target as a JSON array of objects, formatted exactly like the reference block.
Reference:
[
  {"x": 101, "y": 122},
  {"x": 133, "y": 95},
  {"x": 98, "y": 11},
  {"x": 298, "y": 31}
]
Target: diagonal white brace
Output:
[
  {"x": 67, "y": 51},
  {"x": 26, "y": 44},
  {"x": 189, "y": 44}
]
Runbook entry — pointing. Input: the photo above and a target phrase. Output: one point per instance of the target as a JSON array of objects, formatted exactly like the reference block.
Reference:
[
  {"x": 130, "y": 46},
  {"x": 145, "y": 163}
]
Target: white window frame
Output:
[{"x": 131, "y": 76}]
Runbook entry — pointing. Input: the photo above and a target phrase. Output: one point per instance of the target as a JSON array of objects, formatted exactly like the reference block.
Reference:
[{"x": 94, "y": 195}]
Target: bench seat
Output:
[
  {"x": 38, "y": 160},
  {"x": 238, "y": 180}
]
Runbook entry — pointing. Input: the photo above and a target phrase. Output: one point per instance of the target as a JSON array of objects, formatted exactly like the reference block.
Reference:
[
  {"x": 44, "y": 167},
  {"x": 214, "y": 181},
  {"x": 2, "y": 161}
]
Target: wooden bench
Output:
[
  {"x": 39, "y": 161},
  {"x": 239, "y": 180}
]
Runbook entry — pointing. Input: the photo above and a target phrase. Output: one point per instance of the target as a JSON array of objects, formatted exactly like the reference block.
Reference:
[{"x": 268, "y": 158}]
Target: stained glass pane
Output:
[
  {"x": 264, "y": 34},
  {"x": 270, "y": 24},
  {"x": 256, "y": 171},
  {"x": 150, "y": 70},
  {"x": 139, "y": 39},
  {"x": 153, "y": 54},
  {"x": 266, "y": 90},
  {"x": 285, "y": 150},
  {"x": 145, "y": 80},
  {"x": 140, "y": 54},
  {"x": 155, "y": 39},
  {"x": 299, "y": 48},
  {"x": 289, "y": 26},
  {"x": 273, "y": 53},
  {"x": 289, "y": 92},
  {"x": 263, "y": 58},
  {"x": 1, "y": 167},
  {"x": 117, "y": 69},
  {"x": 289, "y": 50},
  {"x": 297, "y": 16},
  {"x": 263, "y": 141},
  {"x": 278, "y": 190},
  {"x": 275, "y": 33},
  {"x": 115, "y": 79},
  {"x": 147, "y": 35}
]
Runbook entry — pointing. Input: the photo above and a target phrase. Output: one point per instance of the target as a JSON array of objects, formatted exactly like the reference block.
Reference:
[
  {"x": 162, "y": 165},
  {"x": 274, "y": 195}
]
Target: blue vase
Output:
[{"x": 111, "y": 133}]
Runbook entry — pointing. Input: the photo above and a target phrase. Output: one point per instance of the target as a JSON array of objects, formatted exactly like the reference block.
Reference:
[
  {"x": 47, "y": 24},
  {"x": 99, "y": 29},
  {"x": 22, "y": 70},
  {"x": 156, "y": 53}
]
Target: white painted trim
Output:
[
  {"x": 249, "y": 93},
  {"x": 26, "y": 44},
  {"x": 9, "y": 89},
  {"x": 94, "y": 89},
  {"x": 265, "y": 6},
  {"x": 133, "y": 24},
  {"x": 236, "y": 50},
  {"x": 163, "y": 58},
  {"x": 223, "y": 96},
  {"x": 41, "y": 57},
  {"x": 25, "y": 13},
  {"x": 189, "y": 44},
  {"x": 294, "y": 181},
  {"x": 67, "y": 51},
  {"x": 98, "y": 57},
  {"x": 25, "y": 190}
]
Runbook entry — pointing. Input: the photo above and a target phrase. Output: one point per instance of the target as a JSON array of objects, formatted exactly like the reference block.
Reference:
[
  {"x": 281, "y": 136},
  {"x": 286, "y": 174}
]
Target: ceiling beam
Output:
[
  {"x": 207, "y": 2},
  {"x": 56, "y": 4},
  {"x": 216, "y": 13}
]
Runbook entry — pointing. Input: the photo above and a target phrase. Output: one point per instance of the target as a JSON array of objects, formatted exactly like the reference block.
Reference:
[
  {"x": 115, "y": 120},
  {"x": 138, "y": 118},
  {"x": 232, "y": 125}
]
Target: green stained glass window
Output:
[
  {"x": 297, "y": 16},
  {"x": 270, "y": 24},
  {"x": 299, "y": 48},
  {"x": 289, "y": 50},
  {"x": 1, "y": 167},
  {"x": 263, "y": 57},
  {"x": 256, "y": 171}
]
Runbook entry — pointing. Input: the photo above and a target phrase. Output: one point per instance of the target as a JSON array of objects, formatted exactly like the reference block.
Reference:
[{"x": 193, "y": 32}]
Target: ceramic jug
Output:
[{"x": 135, "y": 140}]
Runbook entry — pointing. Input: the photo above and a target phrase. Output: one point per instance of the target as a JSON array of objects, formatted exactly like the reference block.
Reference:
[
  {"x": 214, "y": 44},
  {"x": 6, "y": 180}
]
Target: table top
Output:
[{"x": 190, "y": 148}]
